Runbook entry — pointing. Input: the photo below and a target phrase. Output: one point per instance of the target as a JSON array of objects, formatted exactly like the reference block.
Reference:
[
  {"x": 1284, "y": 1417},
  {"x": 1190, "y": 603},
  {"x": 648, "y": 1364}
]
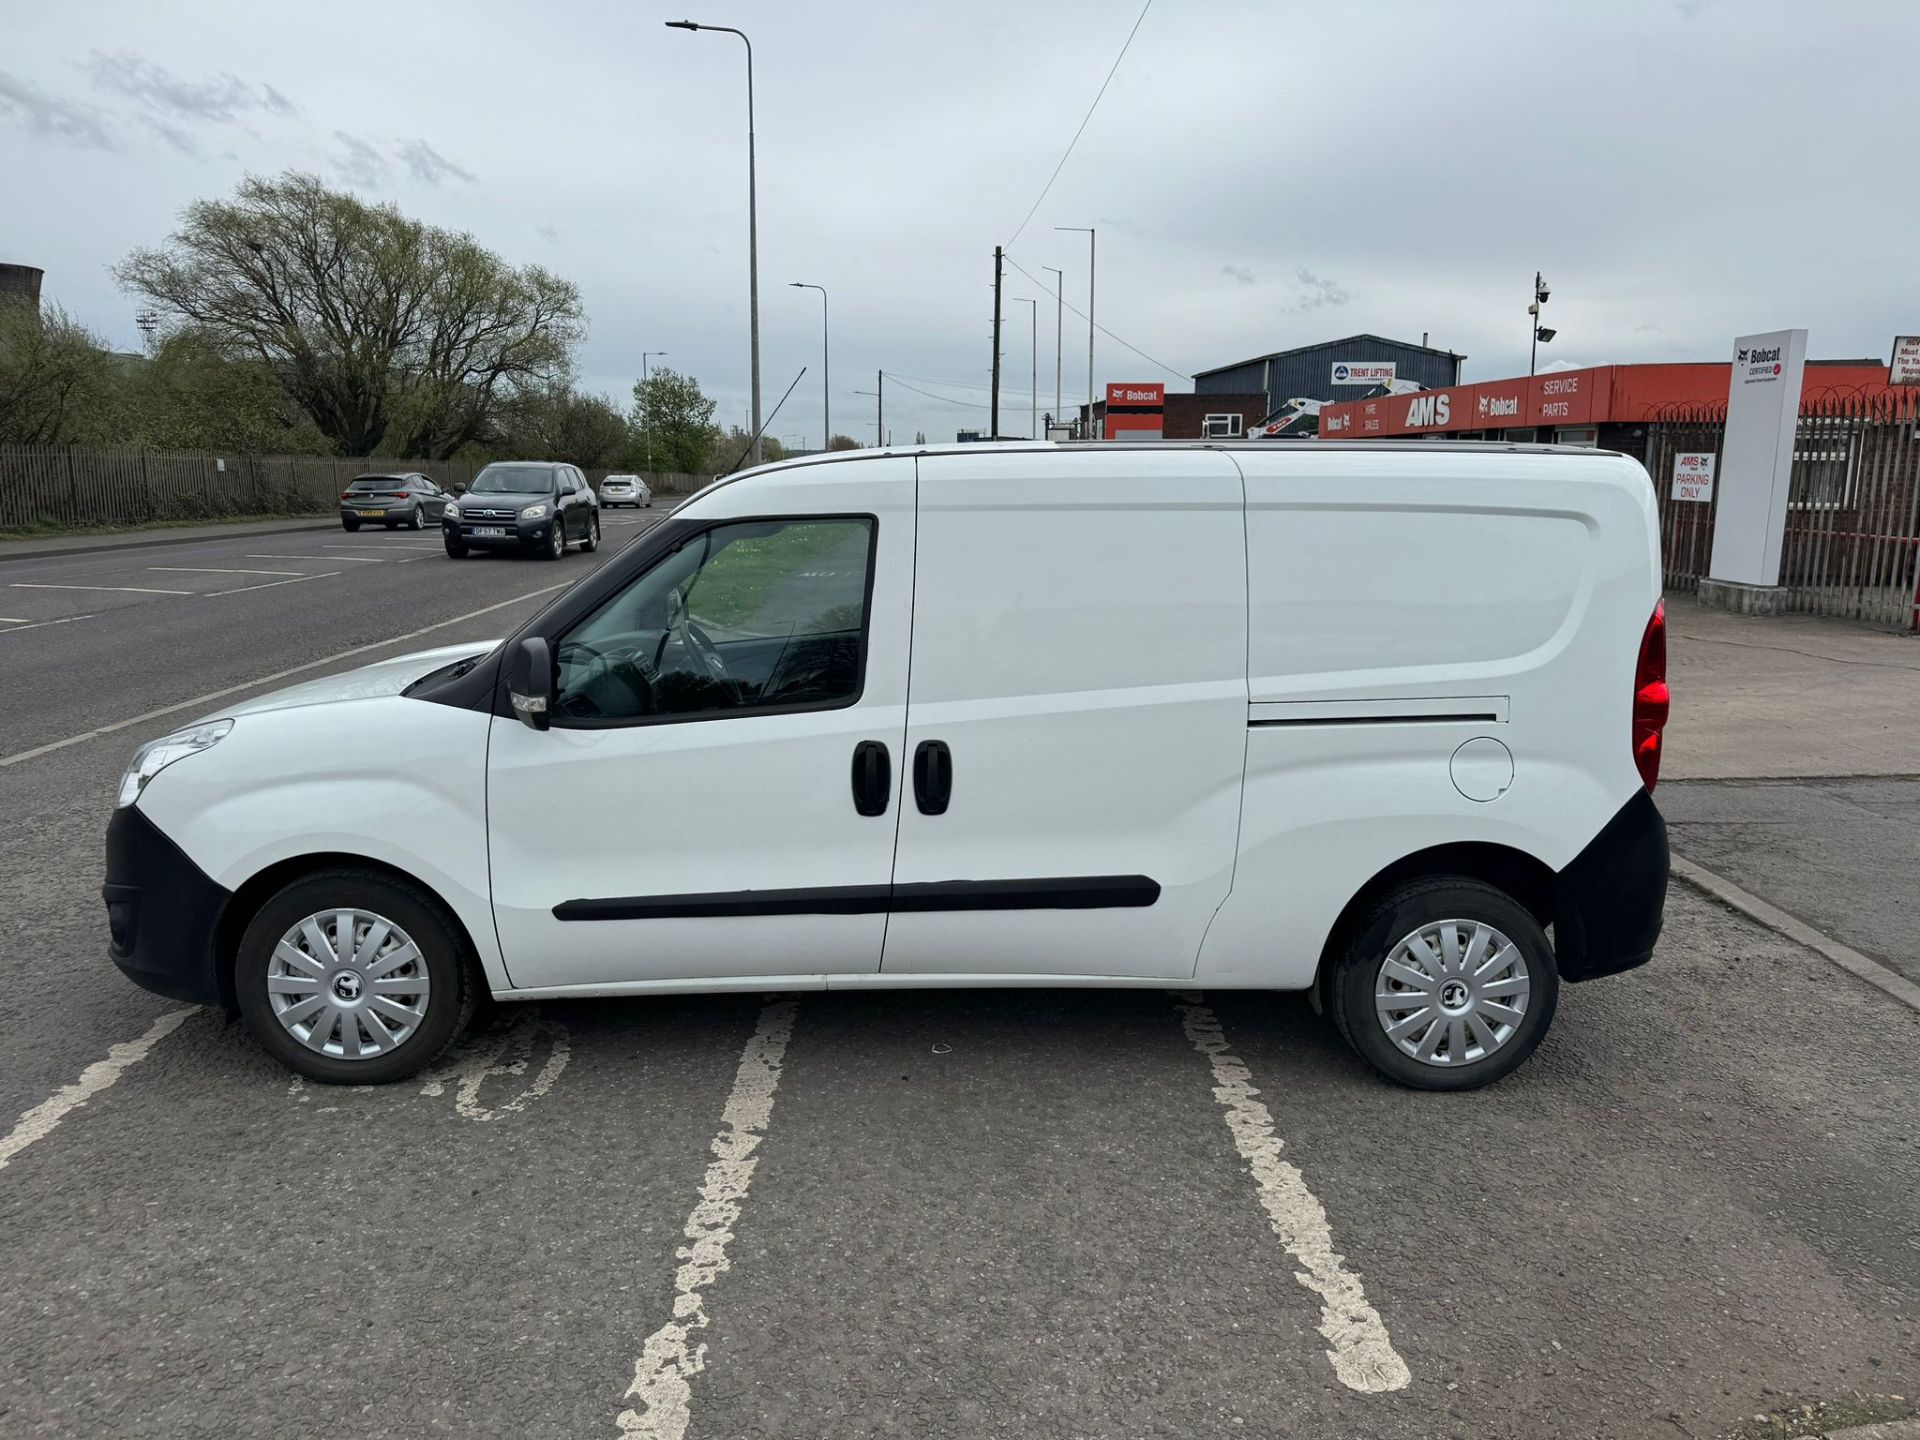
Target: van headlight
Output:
[
  {"x": 154, "y": 756},
  {"x": 533, "y": 512}
]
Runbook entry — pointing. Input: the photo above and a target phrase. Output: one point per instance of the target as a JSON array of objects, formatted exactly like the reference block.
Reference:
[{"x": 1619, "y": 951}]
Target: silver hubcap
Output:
[
  {"x": 559, "y": 535},
  {"x": 1452, "y": 992},
  {"x": 349, "y": 984}
]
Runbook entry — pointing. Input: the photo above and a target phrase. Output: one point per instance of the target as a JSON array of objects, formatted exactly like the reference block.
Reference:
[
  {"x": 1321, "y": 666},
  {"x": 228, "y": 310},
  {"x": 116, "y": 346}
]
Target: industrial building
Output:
[{"x": 1333, "y": 370}]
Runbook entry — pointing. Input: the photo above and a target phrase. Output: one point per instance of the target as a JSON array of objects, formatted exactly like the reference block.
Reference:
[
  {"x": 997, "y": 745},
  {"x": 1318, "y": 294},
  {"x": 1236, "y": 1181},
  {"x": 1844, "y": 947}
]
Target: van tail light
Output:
[{"x": 1651, "y": 699}]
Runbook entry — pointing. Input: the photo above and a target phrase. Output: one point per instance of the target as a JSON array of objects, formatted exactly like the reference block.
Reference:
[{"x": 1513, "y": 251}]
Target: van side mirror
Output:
[{"x": 530, "y": 681}]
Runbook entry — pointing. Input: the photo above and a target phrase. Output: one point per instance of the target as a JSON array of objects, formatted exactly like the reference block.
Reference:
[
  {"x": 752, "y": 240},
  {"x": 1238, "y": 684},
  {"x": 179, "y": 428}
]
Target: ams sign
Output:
[{"x": 1429, "y": 410}]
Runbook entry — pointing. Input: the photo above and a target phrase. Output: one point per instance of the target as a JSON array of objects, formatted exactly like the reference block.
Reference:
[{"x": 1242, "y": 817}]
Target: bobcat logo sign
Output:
[{"x": 1425, "y": 410}]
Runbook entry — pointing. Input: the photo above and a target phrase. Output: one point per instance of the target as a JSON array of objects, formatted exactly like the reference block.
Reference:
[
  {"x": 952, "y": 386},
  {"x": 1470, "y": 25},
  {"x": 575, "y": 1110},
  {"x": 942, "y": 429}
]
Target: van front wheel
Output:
[
  {"x": 1445, "y": 984},
  {"x": 354, "y": 978}
]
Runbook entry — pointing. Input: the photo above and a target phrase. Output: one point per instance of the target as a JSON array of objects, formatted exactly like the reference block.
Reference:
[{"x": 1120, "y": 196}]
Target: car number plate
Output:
[
  {"x": 372, "y": 514},
  {"x": 490, "y": 531}
]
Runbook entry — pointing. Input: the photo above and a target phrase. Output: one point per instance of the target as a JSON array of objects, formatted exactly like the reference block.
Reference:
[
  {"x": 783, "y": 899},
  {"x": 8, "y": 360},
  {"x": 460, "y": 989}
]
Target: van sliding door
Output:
[{"x": 1077, "y": 714}]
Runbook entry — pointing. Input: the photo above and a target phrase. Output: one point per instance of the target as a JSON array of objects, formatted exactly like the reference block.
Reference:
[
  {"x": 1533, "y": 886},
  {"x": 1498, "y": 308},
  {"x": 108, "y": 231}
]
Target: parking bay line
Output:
[
  {"x": 15, "y": 626},
  {"x": 117, "y": 589},
  {"x": 199, "y": 700},
  {"x": 42, "y": 1119},
  {"x": 243, "y": 589},
  {"x": 212, "y": 570},
  {"x": 1358, "y": 1345},
  {"x": 671, "y": 1356},
  {"x": 324, "y": 559}
]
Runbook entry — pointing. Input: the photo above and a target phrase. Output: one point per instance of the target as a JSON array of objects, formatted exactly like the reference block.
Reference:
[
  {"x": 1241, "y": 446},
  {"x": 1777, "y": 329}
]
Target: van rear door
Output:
[{"x": 1077, "y": 713}]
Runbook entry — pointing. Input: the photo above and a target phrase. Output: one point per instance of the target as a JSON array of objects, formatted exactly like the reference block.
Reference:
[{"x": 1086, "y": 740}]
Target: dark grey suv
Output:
[{"x": 536, "y": 506}]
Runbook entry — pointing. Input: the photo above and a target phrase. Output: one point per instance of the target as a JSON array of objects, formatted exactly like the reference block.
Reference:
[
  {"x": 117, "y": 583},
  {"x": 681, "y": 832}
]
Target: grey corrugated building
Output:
[{"x": 1332, "y": 370}]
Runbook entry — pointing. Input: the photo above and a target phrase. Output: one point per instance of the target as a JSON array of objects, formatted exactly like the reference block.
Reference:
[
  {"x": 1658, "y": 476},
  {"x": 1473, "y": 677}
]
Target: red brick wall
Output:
[{"x": 1184, "y": 413}]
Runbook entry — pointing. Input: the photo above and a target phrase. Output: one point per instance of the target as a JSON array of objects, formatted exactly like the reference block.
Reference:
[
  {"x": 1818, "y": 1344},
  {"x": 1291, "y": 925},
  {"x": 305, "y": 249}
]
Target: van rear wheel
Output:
[
  {"x": 351, "y": 977},
  {"x": 1445, "y": 984}
]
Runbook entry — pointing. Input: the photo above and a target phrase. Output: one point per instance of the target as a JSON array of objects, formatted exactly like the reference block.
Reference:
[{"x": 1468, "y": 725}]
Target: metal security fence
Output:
[
  {"x": 1852, "y": 541},
  {"x": 57, "y": 485}
]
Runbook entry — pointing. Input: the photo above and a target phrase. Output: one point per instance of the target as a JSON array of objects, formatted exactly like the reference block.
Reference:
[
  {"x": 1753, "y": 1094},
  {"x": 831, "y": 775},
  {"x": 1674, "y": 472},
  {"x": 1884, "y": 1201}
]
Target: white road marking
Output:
[
  {"x": 328, "y": 559},
  {"x": 504, "y": 1050},
  {"x": 38, "y": 624},
  {"x": 12, "y": 620},
  {"x": 242, "y": 589},
  {"x": 374, "y": 545},
  {"x": 212, "y": 695},
  {"x": 1363, "y": 1356},
  {"x": 41, "y": 1120},
  {"x": 210, "y": 570},
  {"x": 118, "y": 589},
  {"x": 663, "y": 1374}
]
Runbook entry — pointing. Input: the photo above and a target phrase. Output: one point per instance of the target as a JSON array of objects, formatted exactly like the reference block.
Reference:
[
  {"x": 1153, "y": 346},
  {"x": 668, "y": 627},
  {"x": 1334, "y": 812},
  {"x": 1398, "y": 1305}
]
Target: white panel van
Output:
[{"x": 1362, "y": 720}]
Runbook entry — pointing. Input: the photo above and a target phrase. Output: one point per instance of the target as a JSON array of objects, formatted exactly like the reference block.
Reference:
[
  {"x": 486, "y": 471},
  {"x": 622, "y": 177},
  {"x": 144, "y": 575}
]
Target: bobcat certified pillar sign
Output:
[
  {"x": 1756, "y": 458},
  {"x": 1693, "y": 476}
]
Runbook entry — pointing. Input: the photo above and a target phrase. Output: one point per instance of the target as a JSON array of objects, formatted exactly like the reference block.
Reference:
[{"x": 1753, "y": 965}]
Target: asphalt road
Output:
[{"x": 942, "y": 1214}]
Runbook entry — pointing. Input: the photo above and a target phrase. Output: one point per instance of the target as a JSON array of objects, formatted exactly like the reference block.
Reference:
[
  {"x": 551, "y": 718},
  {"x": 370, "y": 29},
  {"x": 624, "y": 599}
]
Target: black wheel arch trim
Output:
[{"x": 1610, "y": 900}]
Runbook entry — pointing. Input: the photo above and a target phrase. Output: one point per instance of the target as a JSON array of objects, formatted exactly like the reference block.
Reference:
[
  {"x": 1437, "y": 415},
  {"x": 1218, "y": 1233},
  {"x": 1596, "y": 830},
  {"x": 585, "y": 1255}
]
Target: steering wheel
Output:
[
  {"x": 631, "y": 671},
  {"x": 709, "y": 654}
]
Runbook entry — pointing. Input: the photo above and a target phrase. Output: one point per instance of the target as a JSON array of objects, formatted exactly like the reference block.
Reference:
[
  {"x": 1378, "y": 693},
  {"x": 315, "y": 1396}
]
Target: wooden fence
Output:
[
  {"x": 71, "y": 486},
  {"x": 1852, "y": 542}
]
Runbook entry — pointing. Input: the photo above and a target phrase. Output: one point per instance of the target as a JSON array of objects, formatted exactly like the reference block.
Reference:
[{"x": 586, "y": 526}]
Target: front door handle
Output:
[
  {"x": 872, "y": 777},
  {"x": 932, "y": 777}
]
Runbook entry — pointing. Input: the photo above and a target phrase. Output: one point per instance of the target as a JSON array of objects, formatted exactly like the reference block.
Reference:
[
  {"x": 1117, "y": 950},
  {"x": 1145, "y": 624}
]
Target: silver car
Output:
[
  {"x": 410, "y": 499},
  {"x": 625, "y": 490}
]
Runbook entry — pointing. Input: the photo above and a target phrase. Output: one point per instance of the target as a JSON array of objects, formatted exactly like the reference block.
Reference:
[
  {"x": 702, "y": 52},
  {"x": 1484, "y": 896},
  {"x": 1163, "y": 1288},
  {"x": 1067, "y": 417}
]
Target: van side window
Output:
[{"x": 745, "y": 618}]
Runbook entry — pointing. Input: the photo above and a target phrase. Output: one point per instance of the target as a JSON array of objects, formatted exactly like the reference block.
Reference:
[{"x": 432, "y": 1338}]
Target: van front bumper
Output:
[
  {"x": 1610, "y": 901},
  {"x": 162, "y": 912}
]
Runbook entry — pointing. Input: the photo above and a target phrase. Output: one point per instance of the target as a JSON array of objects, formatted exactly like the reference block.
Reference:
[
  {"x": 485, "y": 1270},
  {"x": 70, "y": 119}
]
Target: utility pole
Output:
[
  {"x": 879, "y": 394},
  {"x": 1059, "y": 313},
  {"x": 993, "y": 429}
]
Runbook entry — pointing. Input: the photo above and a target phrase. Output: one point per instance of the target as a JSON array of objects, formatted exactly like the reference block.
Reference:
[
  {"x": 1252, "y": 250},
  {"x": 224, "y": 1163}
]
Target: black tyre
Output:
[
  {"x": 592, "y": 542},
  {"x": 556, "y": 545},
  {"x": 413, "y": 520},
  {"x": 349, "y": 977},
  {"x": 1444, "y": 984},
  {"x": 349, "y": 522},
  {"x": 456, "y": 550}
]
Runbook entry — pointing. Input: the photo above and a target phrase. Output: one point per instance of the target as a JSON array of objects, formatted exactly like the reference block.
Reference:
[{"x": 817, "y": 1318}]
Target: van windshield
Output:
[{"x": 514, "y": 479}]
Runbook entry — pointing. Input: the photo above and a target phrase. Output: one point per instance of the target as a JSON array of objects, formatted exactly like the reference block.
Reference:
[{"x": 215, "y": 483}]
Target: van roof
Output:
[{"x": 1257, "y": 447}]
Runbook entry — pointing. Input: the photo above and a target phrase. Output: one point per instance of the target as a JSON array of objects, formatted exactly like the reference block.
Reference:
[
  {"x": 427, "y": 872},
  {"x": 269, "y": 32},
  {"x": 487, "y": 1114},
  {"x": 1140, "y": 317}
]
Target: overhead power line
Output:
[
  {"x": 1083, "y": 122},
  {"x": 941, "y": 399},
  {"x": 1180, "y": 374}
]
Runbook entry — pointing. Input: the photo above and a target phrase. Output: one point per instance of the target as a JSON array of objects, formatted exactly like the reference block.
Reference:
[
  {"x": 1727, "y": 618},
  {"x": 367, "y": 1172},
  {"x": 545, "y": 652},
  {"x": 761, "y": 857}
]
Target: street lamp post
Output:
[
  {"x": 645, "y": 355},
  {"x": 753, "y": 224},
  {"x": 1059, "y": 284},
  {"x": 826, "y": 361},
  {"x": 1092, "y": 241},
  {"x": 1033, "y": 380}
]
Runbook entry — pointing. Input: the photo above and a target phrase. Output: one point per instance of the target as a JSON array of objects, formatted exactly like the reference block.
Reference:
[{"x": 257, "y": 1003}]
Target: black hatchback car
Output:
[{"x": 536, "y": 506}]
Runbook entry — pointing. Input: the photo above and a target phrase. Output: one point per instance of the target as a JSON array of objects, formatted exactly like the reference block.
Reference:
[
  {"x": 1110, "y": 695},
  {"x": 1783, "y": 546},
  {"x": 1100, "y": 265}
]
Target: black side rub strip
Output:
[{"x": 1086, "y": 892}]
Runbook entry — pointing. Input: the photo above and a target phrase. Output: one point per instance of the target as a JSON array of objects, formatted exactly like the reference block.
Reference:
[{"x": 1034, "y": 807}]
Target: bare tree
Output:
[{"x": 389, "y": 333}]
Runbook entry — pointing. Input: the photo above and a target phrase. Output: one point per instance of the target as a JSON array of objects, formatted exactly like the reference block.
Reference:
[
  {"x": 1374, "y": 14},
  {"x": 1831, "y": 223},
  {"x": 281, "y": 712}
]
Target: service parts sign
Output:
[
  {"x": 1693, "y": 476},
  {"x": 1354, "y": 372}
]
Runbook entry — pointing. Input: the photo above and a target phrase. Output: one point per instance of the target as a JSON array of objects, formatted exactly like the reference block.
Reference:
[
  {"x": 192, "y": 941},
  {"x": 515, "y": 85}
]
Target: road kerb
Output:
[{"x": 1888, "y": 981}]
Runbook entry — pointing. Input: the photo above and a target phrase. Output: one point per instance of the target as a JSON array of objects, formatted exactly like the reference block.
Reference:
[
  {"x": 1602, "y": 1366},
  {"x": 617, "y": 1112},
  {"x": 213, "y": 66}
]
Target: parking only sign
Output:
[{"x": 1693, "y": 476}]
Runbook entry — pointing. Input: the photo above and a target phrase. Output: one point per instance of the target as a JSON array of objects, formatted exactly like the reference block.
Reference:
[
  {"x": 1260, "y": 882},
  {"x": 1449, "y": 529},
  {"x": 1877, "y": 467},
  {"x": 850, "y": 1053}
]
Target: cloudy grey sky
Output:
[{"x": 1262, "y": 174}]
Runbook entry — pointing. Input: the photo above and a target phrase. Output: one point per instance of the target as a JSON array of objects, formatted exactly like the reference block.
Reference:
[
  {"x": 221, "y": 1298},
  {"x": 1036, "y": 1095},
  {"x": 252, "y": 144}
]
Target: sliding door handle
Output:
[
  {"x": 872, "y": 777},
  {"x": 932, "y": 777}
]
